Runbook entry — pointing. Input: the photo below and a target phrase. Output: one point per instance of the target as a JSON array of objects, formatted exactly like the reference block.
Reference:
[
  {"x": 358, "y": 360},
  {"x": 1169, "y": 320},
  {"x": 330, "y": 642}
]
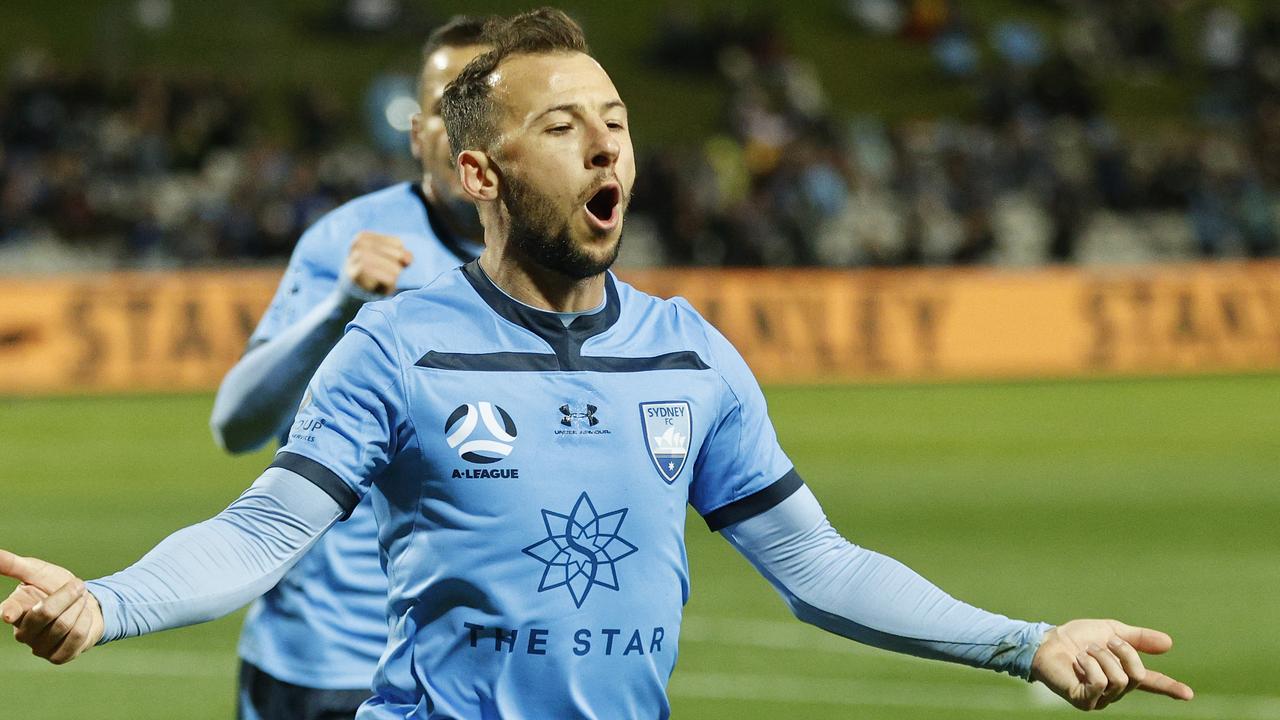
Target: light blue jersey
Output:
[
  {"x": 529, "y": 482},
  {"x": 324, "y": 626}
]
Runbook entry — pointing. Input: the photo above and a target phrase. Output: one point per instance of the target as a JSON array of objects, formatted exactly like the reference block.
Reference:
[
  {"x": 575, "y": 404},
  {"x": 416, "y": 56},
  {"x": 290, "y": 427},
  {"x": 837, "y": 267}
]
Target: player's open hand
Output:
[
  {"x": 51, "y": 611},
  {"x": 1093, "y": 663},
  {"x": 375, "y": 261}
]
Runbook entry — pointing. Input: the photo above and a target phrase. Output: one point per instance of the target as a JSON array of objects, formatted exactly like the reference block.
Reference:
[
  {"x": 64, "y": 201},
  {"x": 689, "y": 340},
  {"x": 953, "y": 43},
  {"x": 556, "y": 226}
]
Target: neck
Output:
[
  {"x": 444, "y": 212},
  {"x": 537, "y": 286}
]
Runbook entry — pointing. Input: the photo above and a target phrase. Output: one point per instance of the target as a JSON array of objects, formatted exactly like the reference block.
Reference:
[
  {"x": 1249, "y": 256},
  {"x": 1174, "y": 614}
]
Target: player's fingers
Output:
[
  {"x": 1117, "y": 679},
  {"x": 366, "y": 239},
  {"x": 375, "y": 283},
  {"x": 373, "y": 236},
  {"x": 44, "y": 613},
  {"x": 382, "y": 285},
  {"x": 364, "y": 257},
  {"x": 1130, "y": 661},
  {"x": 392, "y": 248},
  {"x": 13, "y": 566},
  {"x": 1143, "y": 639},
  {"x": 390, "y": 267},
  {"x": 392, "y": 253},
  {"x": 1095, "y": 680},
  {"x": 1079, "y": 671},
  {"x": 33, "y": 571},
  {"x": 388, "y": 246},
  {"x": 1161, "y": 684},
  {"x": 1077, "y": 694},
  {"x": 379, "y": 268},
  {"x": 366, "y": 260},
  {"x": 395, "y": 251},
  {"x": 22, "y": 599},
  {"x": 47, "y": 643},
  {"x": 73, "y": 643}
]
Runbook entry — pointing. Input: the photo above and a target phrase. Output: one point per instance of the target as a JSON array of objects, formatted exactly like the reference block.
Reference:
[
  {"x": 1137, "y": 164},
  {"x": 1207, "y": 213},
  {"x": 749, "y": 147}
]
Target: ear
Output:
[
  {"x": 479, "y": 175},
  {"x": 415, "y": 140}
]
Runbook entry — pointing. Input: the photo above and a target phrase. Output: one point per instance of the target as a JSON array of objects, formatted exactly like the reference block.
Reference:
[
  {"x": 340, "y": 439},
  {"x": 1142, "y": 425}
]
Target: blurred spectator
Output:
[
  {"x": 882, "y": 17},
  {"x": 925, "y": 19},
  {"x": 1042, "y": 175},
  {"x": 148, "y": 170},
  {"x": 372, "y": 16},
  {"x": 158, "y": 170}
]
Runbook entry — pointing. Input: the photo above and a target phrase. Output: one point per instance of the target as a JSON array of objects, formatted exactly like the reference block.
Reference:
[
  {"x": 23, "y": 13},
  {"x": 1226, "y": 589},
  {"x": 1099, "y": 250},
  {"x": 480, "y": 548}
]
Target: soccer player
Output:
[
  {"x": 530, "y": 429},
  {"x": 310, "y": 645}
]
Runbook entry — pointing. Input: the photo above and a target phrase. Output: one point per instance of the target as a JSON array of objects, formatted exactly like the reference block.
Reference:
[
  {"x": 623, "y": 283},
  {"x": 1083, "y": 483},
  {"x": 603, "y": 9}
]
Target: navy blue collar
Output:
[{"x": 565, "y": 341}]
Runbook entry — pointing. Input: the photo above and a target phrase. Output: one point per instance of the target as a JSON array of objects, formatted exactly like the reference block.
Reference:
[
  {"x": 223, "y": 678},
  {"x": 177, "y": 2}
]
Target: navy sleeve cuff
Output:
[
  {"x": 755, "y": 503},
  {"x": 323, "y": 478}
]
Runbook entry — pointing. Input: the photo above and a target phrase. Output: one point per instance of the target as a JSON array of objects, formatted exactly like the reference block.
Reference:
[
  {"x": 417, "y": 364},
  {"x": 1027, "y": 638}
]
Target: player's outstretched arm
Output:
[
  {"x": 874, "y": 599},
  {"x": 197, "y": 574},
  {"x": 260, "y": 393},
  {"x": 1093, "y": 663}
]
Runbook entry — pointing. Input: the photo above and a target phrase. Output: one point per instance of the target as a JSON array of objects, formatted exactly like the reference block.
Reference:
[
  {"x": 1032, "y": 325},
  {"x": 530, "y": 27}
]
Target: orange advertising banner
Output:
[
  {"x": 815, "y": 325},
  {"x": 181, "y": 331},
  {"x": 127, "y": 331}
]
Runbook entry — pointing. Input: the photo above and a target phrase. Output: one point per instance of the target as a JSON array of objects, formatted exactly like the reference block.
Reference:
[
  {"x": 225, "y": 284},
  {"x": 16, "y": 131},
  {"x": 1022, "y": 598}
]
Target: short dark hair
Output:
[
  {"x": 467, "y": 106},
  {"x": 458, "y": 31}
]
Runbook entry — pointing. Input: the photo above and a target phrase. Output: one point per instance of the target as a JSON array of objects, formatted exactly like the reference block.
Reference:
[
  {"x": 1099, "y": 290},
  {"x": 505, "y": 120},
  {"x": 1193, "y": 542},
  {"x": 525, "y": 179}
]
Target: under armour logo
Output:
[{"x": 570, "y": 416}]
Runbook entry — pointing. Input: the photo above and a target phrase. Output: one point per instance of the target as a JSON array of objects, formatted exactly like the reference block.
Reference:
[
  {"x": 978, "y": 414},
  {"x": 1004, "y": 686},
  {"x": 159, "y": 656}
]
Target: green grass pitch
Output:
[{"x": 1156, "y": 501}]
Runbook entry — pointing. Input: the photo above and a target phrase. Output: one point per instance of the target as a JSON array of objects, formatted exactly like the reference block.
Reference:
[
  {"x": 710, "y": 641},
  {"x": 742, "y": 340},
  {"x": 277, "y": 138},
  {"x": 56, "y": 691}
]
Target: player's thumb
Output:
[
  {"x": 1144, "y": 639},
  {"x": 406, "y": 258},
  {"x": 34, "y": 572}
]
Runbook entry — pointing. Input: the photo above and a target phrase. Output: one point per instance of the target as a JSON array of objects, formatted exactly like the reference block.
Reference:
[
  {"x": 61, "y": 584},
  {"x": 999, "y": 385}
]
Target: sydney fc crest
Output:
[{"x": 667, "y": 428}]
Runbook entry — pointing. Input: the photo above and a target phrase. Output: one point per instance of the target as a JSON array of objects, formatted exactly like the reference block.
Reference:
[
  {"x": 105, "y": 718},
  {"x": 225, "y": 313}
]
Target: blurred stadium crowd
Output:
[
  {"x": 154, "y": 170},
  {"x": 150, "y": 170}
]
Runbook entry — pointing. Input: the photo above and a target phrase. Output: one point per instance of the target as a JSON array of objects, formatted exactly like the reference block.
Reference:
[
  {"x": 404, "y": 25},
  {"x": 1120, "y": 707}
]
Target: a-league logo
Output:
[{"x": 497, "y": 438}]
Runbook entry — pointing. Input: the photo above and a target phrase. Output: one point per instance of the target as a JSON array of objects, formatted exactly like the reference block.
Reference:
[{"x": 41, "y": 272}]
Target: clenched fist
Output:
[{"x": 375, "y": 261}]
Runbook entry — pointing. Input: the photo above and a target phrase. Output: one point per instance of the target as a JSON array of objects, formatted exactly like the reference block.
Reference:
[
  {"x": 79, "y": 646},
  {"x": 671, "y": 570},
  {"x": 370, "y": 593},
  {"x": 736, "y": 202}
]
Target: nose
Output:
[{"x": 604, "y": 147}]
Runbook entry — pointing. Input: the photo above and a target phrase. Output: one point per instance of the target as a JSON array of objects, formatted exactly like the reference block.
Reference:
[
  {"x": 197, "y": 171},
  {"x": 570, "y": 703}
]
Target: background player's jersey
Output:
[
  {"x": 530, "y": 483},
  {"x": 324, "y": 626}
]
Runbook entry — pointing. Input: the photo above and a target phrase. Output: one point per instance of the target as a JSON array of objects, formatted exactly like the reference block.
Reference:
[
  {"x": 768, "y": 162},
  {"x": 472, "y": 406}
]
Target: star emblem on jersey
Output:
[
  {"x": 580, "y": 549},
  {"x": 464, "y": 422},
  {"x": 667, "y": 428}
]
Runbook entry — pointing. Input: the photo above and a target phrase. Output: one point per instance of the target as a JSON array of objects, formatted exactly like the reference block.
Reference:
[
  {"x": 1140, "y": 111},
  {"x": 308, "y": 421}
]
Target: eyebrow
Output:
[{"x": 577, "y": 108}]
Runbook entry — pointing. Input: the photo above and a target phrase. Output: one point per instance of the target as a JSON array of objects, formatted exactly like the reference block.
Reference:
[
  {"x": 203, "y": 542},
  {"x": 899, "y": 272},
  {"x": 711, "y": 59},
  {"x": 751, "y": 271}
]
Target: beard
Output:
[{"x": 538, "y": 234}]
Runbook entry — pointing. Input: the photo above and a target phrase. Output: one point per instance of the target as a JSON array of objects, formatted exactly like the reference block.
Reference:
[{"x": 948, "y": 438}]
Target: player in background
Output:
[
  {"x": 538, "y": 573},
  {"x": 310, "y": 646}
]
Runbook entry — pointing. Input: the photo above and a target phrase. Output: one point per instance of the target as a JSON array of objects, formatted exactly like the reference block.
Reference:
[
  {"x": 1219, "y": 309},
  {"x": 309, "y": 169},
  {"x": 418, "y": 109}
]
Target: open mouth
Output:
[{"x": 602, "y": 207}]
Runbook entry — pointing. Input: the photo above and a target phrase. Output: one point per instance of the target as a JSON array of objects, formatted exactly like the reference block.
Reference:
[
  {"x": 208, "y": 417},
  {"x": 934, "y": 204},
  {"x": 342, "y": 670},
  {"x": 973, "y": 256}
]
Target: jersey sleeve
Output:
[
  {"x": 352, "y": 420},
  {"x": 313, "y": 272},
  {"x": 741, "y": 470}
]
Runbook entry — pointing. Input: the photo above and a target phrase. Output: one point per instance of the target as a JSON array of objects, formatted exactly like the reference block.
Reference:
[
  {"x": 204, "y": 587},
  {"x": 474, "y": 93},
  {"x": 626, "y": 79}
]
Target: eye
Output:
[
  {"x": 616, "y": 125},
  {"x": 559, "y": 129}
]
